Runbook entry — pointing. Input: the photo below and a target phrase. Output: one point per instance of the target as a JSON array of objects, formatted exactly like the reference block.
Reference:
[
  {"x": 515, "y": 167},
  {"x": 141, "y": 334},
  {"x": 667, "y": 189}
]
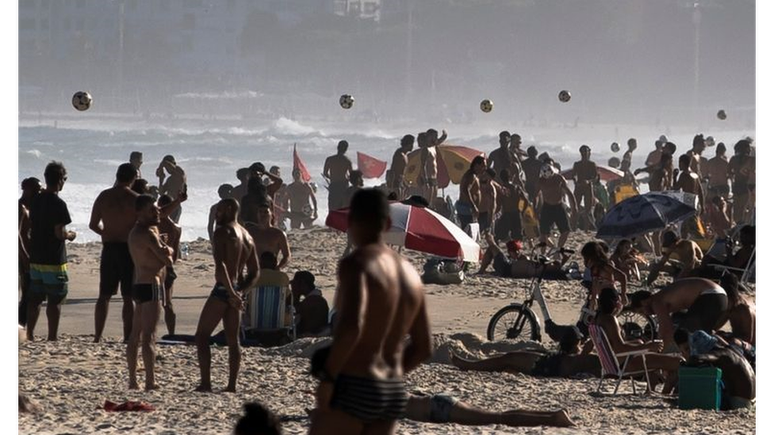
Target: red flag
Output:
[
  {"x": 298, "y": 164},
  {"x": 369, "y": 166}
]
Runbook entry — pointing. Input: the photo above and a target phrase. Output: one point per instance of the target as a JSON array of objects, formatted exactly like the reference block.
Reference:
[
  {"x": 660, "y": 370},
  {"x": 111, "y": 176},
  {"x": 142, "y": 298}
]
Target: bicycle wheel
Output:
[
  {"x": 636, "y": 325},
  {"x": 513, "y": 322}
]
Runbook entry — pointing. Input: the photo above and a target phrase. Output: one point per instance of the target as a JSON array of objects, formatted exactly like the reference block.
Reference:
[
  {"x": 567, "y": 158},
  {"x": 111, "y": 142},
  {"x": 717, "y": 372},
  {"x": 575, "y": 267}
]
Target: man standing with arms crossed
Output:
[
  {"x": 362, "y": 386},
  {"x": 112, "y": 218},
  {"x": 150, "y": 256},
  {"x": 233, "y": 251}
]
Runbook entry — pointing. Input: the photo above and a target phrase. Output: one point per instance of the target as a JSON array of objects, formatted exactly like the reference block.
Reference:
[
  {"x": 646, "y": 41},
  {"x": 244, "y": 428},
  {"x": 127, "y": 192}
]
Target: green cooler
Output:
[{"x": 699, "y": 388}]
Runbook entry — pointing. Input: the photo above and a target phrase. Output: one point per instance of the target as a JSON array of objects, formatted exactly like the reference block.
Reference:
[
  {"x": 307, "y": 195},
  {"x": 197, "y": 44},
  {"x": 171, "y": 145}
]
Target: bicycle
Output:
[{"x": 518, "y": 320}]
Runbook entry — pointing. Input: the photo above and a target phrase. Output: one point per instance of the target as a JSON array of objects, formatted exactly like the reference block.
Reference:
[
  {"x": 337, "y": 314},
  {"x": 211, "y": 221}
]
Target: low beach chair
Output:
[
  {"x": 611, "y": 365},
  {"x": 270, "y": 306},
  {"x": 747, "y": 273}
]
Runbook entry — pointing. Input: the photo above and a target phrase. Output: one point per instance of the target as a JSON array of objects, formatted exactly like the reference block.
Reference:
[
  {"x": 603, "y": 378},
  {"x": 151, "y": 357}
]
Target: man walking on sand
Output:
[
  {"x": 112, "y": 218},
  {"x": 150, "y": 256},
  {"x": 233, "y": 251},
  {"x": 362, "y": 387}
]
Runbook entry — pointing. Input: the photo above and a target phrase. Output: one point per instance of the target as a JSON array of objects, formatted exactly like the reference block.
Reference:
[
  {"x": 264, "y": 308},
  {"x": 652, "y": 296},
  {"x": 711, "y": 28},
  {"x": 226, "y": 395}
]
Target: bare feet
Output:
[
  {"x": 133, "y": 385},
  {"x": 457, "y": 361},
  {"x": 151, "y": 387},
  {"x": 204, "y": 388},
  {"x": 562, "y": 419},
  {"x": 230, "y": 389}
]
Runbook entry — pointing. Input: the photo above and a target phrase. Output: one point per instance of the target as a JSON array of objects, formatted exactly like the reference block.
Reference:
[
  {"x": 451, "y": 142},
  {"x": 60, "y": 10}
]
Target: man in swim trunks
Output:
[
  {"x": 688, "y": 253},
  {"x": 501, "y": 158},
  {"x": 552, "y": 188},
  {"x": 173, "y": 185},
  {"x": 151, "y": 256},
  {"x": 113, "y": 216},
  {"x": 428, "y": 158},
  {"x": 654, "y": 157},
  {"x": 705, "y": 302},
  {"x": 49, "y": 218},
  {"x": 396, "y": 182},
  {"x": 470, "y": 193},
  {"x": 234, "y": 252},
  {"x": 135, "y": 158},
  {"x": 584, "y": 173},
  {"x": 717, "y": 171},
  {"x": 698, "y": 147},
  {"x": 490, "y": 202},
  {"x": 514, "y": 264},
  {"x": 336, "y": 171},
  {"x": 170, "y": 234},
  {"x": 300, "y": 194},
  {"x": 689, "y": 181},
  {"x": 531, "y": 166},
  {"x": 380, "y": 302},
  {"x": 741, "y": 171},
  {"x": 509, "y": 226}
]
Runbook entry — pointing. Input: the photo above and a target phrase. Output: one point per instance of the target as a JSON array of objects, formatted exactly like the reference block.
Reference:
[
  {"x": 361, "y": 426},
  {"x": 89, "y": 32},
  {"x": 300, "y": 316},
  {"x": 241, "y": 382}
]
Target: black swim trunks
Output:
[
  {"x": 552, "y": 214},
  {"x": 509, "y": 227},
  {"x": 484, "y": 222},
  {"x": 706, "y": 311},
  {"x": 147, "y": 293},
  {"x": 221, "y": 293},
  {"x": 548, "y": 365},
  {"x": 370, "y": 400},
  {"x": 115, "y": 267}
]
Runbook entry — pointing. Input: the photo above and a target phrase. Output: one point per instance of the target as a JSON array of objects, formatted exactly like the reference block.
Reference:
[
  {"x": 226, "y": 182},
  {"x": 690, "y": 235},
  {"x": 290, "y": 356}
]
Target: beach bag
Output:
[{"x": 441, "y": 271}]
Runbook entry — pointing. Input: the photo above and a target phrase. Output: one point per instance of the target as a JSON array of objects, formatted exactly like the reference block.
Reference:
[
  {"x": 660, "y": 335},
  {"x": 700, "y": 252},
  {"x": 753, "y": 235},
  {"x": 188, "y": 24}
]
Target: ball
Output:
[
  {"x": 346, "y": 101},
  {"x": 614, "y": 147},
  {"x": 721, "y": 114},
  {"x": 564, "y": 96},
  {"x": 486, "y": 106},
  {"x": 82, "y": 101},
  {"x": 614, "y": 162},
  {"x": 709, "y": 141}
]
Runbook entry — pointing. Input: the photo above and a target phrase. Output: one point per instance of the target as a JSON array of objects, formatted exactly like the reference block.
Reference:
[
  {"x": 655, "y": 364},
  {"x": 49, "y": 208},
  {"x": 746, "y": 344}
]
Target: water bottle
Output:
[{"x": 184, "y": 251}]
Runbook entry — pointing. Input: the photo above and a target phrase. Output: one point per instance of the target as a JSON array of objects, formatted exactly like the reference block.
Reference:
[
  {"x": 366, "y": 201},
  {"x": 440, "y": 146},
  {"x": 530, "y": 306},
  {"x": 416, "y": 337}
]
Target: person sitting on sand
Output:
[
  {"x": 266, "y": 237},
  {"x": 705, "y": 302},
  {"x": 688, "y": 254},
  {"x": 609, "y": 307},
  {"x": 170, "y": 233},
  {"x": 515, "y": 264},
  {"x": 150, "y": 255},
  {"x": 738, "y": 376},
  {"x": 311, "y": 306},
  {"x": 628, "y": 259},
  {"x": 224, "y": 191},
  {"x": 258, "y": 420},
  {"x": 234, "y": 252},
  {"x": 569, "y": 361}
]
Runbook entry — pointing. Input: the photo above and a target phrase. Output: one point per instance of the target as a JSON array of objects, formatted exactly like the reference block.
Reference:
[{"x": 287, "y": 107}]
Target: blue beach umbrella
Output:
[{"x": 642, "y": 214}]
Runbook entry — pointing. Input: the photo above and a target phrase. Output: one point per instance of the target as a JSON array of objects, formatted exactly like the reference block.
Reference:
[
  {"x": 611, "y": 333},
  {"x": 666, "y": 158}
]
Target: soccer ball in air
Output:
[
  {"x": 564, "y": 96},
  {"x": 82, "y": 101},
  {"x": 709, "y": 141},
  {"x": 614, "y": 162},
  {"x": 486, "y": 106},
  {"x": 721, "y": 115},
  {"x": 346, "y": 101},
  {"x": 614, "y": 147}
]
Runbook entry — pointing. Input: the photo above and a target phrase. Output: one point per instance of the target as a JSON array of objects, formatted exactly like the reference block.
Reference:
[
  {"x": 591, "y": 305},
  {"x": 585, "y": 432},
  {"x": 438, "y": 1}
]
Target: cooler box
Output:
[{"x": 699, "y": 388}]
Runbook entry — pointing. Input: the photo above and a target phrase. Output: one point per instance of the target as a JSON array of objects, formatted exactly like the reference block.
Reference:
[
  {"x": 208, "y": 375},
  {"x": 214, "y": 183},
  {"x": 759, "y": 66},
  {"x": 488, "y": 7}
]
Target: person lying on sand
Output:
[
  {"x": 515, "y": 264},
  {"x": 568, "y": 362}
]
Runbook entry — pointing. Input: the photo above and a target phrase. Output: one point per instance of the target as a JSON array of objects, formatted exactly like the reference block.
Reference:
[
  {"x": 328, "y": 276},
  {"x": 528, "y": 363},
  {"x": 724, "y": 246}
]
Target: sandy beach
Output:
[{"x": 71, "y": 379}]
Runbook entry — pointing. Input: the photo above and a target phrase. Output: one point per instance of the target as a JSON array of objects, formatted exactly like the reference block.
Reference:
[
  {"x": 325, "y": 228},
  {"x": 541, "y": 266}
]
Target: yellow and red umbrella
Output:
[{"x": 453, "y": 161}]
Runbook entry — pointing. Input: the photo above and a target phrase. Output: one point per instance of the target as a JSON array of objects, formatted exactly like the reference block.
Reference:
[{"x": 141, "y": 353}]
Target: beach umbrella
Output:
[
  {"x": 642, "y": 214},
  {"x": 606, "y": 173},
  {"x": 419, "y": 229},
  {"x": 453, "y": 161}
]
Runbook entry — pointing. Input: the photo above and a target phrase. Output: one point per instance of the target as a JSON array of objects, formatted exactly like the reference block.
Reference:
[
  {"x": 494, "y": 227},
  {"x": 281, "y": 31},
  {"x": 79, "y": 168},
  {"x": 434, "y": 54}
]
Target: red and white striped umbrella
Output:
[{"x": 419, "y": 229}]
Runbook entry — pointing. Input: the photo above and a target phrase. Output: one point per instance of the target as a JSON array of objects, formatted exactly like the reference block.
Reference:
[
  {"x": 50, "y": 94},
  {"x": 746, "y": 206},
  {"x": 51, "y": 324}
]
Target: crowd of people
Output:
[{"x": 379, "y": 294}]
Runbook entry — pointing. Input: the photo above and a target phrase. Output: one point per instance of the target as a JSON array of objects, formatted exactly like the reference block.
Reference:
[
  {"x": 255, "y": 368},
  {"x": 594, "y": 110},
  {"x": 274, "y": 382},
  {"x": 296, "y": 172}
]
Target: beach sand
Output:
[{"x": 71, "y": 379}]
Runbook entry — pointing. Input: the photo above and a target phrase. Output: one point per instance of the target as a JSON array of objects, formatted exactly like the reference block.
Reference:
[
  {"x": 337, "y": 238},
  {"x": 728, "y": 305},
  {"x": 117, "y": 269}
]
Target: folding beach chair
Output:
[
  {"x": 748, "y": 273},
  {"x": 270, "y": 306},
  {"x": 610, "y": 362}
]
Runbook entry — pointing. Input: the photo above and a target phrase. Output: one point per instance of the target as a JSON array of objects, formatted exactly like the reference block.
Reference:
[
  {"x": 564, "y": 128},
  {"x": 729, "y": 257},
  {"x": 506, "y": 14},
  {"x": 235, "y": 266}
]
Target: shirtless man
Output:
[
  {"x": 501, "y": 158},
  {"x": 584, "y": 174},
  {"x": 552, "y": 188},
  {"x": 509, "y": 226},
  {"x": 174, "y": 184},
  {"x": 268, "y": 238},
  {"x": 531, "y": 166},
  {"x": 689, "y": 254},
  {"x": 224, "y": 191},
  {"x": 705, "y": 301},
  {"x": 233, "y": 251},
  {"x": 281, "y": 198},
  {"x": 631, "y": 146},
  {"x": 470, "y": 194},
  {"x": 336, "y": 171},
  {"x": 396, "y": 182},
  {"x": 428, "y": 158},
  {"x": 170, "y": 234},
  {"x": 381, "y": 301},
  {"x": 698, "y": 147},
  {"x": 243, "y": 175},
  {"x": 660, "y": 174},
  {"x": 112, "y": 217},
  {"x": 654, "y": 157},
  {"x": 490, "y": 203},
  {"x": 717, "y": 171},
  {"x": 741, "y": 171},
  {"x": 150, "y": 256},
  {"x": 135, "y": 158},
  {"x": 300, "y": 194},
  {"x": 689, "y": 181}
]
